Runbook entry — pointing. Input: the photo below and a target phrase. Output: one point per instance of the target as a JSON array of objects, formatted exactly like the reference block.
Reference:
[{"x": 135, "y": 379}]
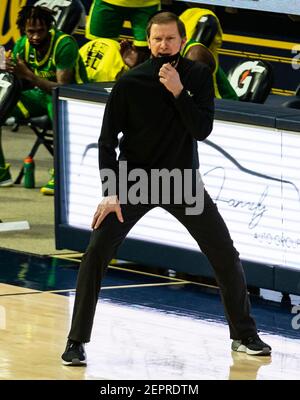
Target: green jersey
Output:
[{"x": 62, "y": 54}]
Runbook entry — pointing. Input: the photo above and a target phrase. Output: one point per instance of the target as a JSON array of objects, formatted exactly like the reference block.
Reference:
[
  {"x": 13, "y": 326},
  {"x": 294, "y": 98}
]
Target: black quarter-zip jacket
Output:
[{"x": 159, "y": 130}]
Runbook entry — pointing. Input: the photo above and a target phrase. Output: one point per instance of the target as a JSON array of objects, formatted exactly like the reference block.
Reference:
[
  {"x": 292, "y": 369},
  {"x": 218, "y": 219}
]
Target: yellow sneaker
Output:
[
  {"x": 48, "y": 189},
  {"x": 5, "y": 176}
]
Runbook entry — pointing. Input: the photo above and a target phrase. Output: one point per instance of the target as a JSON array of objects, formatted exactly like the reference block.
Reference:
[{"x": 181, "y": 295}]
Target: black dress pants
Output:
[{"x": 211, "y": 234}]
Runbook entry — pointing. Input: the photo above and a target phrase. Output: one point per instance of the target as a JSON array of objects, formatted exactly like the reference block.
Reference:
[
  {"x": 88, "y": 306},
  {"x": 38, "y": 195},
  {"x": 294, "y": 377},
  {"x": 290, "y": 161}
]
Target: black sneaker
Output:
[
  {"x": 74, "y": 354},
  {"x": 253, "y": 346}
]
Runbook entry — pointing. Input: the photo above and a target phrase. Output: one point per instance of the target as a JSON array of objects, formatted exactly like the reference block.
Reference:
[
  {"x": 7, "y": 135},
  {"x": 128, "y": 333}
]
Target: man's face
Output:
[
  {"x": 37, "y": 33},
  {"x": 165, "y": 40}
]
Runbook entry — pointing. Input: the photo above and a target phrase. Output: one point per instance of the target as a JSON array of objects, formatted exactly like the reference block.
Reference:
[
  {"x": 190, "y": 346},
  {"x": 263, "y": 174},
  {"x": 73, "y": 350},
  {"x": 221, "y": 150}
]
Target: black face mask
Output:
[{"x": 158, "y": 62}]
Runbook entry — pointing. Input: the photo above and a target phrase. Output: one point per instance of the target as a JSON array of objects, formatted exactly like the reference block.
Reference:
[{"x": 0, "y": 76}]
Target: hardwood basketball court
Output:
[{"x": 147, "y": 327}]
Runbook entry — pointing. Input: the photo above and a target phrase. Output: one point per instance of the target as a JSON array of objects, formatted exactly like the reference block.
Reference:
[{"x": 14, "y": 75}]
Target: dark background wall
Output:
[{"x": 273, "y": 27}]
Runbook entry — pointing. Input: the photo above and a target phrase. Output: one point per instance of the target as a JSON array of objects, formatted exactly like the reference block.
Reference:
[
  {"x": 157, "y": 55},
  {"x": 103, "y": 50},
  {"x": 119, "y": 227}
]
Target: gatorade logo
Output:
[
  {"x": 4, "y": 84},
  {"x": 242, "y": 76},
  {"x": 296, "y": 58},
  {"x": 67, "y": 13},
  {"x": 55, "y": 5}
]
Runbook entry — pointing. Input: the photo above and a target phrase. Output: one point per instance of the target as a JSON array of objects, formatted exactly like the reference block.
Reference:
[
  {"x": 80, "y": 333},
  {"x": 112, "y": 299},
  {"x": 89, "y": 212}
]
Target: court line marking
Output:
[
  {"x": 126, "y": 286},
  {"x": 175, "y": 280},
  {"x": 20, "y": 293},
  {"x": 66, "y": 255},
  {"x": 154, "y": 275},
  {"x": 103, "y": 288}
]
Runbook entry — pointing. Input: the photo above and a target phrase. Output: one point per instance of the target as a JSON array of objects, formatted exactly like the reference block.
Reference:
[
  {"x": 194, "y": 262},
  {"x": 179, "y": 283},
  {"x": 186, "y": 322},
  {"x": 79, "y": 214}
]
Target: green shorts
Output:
[
  {"x": 33, "y": 103},
  {"x": 106, "y": 20}
]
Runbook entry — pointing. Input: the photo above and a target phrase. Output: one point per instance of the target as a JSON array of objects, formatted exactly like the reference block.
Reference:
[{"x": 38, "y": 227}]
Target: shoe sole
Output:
[
  {"x": 243, "y": 349},
  {"x": 47, "y": 192},
  {"x": 6, "y": 183},
  {"x": 75, "y": 362}
]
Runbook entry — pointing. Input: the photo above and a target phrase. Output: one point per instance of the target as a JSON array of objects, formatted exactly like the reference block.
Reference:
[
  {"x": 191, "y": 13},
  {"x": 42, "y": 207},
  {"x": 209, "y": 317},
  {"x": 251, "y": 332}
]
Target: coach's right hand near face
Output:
[{"x": 108, "y": 205}]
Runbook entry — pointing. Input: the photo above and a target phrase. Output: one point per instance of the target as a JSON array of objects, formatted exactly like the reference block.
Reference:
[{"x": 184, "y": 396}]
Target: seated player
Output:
[
  {"x": 204, "y": 38},
  {"x": 42, "y": 58}
]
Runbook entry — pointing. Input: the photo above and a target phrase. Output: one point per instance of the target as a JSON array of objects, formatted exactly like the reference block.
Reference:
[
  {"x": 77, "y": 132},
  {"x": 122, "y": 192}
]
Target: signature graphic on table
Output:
[{"x": 258, "y": 208}]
